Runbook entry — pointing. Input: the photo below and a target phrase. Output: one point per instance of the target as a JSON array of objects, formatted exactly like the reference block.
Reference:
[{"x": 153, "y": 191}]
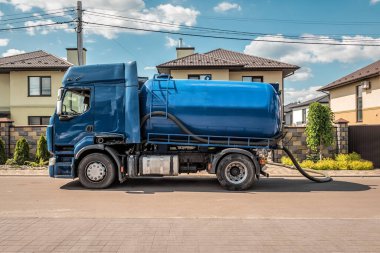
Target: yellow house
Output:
[
  {"x": 356, "y": 96},
  {"x": 221, "y": 64},
  {"x": 29, "y": 84}
]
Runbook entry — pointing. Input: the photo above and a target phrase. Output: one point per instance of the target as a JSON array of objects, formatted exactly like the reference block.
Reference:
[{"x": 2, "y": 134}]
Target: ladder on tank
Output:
[{"x": 160, "y": 91}]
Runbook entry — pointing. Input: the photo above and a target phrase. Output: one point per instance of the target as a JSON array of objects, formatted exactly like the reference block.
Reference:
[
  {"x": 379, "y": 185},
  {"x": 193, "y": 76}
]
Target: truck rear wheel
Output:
[
  {"x": 236, "y": 172},
  {"x": 96, "y": 171}
]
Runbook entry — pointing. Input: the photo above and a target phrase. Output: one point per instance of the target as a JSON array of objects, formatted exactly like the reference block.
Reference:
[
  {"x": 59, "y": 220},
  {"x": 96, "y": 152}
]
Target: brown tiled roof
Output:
[
  {"x": 226, "y": 58},
  {"x": 33, "y": 60},
  {"x": 199, "y": 60},
  {"x": 363, "y": 73}
]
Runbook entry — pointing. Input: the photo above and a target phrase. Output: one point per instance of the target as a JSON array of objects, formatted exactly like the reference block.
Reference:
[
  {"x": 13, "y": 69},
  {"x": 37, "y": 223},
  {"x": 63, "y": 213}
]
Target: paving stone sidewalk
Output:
[
  {"x": 188, "y": 235},
  {"x": 274, "y": 171}
]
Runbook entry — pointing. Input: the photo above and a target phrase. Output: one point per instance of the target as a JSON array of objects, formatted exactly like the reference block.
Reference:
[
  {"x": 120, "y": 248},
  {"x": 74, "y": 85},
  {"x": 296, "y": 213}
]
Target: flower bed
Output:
[{"x": 351, "y": 161}]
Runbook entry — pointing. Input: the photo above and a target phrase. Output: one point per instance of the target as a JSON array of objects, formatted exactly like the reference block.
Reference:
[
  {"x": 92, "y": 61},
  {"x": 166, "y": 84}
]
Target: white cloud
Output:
[
  {"x": 302, "y": 74},
  {"x": 170, "y": 42},
  {"x": 227, "y": 6},
  {"x": 48, "y": 5},
  {"x": 12, "y": 51},
  {"x": 1, "y": 13},
  {"x": 293, "y": 95},
  {"x": 4, "y": 42},
  {"x": 150, "y": 68},
  {"x": 136, "y": 9},
  {"x": 44, "y": 29},
  {"x": 374, "y": 1},
  {"x": 307, "y": 53}
]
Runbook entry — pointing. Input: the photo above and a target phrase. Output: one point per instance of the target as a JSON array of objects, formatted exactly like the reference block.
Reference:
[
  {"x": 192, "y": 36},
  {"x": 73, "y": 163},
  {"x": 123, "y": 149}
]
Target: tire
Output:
[
  {"x": 97, "y": 171},
  {"x": 236, "y": 172}
]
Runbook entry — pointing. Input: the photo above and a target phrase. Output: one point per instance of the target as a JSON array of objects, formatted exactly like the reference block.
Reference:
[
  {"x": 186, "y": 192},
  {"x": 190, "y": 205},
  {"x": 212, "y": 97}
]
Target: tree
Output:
[
  {"x": 21, "y": 151},
  {"x": 3, "y": 157},
  {"x": 42, "y": 153},
  {"x": 319, "y": 127}
]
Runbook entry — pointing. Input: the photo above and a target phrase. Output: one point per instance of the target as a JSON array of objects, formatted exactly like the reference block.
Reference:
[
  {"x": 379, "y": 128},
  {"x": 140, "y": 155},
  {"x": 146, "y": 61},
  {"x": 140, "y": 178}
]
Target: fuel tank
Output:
[{"x": 216, "y": 108}]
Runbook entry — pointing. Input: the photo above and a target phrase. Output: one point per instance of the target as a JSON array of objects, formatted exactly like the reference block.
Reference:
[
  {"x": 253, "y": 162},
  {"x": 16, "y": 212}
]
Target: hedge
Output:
[{"x": 351, "y": 161}]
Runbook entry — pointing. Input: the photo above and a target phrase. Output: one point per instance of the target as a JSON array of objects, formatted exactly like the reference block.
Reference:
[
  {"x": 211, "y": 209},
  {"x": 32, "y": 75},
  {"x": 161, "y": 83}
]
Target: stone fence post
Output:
[
  {"x": 5, "y": 134},
  {"x": 341, "y": 136}
]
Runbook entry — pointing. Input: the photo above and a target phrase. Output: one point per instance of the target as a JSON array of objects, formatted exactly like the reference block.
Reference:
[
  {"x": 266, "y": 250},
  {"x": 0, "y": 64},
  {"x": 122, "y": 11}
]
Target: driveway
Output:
[{"x": 190, "y": 214}]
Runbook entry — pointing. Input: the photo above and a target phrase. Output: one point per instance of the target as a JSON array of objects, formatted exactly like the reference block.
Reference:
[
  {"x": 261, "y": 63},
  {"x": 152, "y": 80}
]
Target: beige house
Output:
[
  {"x": 356, "y": 96},
  {"x": 221, "y": 64},
  {"x": 29, "y": 84}
]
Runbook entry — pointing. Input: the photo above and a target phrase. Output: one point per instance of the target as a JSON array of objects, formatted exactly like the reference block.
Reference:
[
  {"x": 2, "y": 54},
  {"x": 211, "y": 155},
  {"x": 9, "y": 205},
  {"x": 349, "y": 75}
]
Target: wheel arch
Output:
[
  {"x": 98, "y": 148},
  {"x": 219, "y": 156}
]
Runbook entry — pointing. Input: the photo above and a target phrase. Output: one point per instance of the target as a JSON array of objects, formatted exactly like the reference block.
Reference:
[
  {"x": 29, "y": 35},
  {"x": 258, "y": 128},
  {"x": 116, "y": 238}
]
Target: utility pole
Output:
[{"x": 79, "y": 31}]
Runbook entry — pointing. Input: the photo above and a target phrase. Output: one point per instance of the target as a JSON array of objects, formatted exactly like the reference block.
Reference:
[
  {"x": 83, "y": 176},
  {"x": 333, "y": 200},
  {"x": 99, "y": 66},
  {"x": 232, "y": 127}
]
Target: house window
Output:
[
  {"x": 359, "y": 103},
  {"x": 39, "y": 86},
  {"x": 303, "y": 116},
  {"x": 200, "y": 77},
  {"x": 256, "y": 79},
  {"x": 38, "y": 120}
]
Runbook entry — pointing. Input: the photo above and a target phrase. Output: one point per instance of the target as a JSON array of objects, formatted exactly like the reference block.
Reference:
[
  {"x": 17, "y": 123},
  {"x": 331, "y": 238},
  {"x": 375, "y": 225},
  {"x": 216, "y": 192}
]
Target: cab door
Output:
[{"x": 76, "y": 120}]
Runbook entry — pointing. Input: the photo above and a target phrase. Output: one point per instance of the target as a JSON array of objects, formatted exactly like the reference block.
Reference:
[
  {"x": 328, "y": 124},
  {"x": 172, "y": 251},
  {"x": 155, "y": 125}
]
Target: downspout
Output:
[{"x": 9, "y": 140}]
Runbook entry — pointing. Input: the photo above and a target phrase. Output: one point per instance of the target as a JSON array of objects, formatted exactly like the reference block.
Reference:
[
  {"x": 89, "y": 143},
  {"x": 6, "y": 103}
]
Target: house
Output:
[
  {"x": 222, "y": 64},
  {"x": 356, "y": 96},
  {"x": 288, "y": 114},
  {"x": 296, "y": 113},
  {"x": 29, "y": 84}
]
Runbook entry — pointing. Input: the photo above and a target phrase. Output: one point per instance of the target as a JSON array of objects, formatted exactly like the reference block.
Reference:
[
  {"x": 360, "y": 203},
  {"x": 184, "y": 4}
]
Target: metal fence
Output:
[{"x": 365, "y": 140}]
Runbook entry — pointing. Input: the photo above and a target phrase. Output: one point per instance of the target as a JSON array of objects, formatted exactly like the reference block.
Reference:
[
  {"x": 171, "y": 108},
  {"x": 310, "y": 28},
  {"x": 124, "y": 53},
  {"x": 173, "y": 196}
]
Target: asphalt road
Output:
[{"x": 190, "y": 214}]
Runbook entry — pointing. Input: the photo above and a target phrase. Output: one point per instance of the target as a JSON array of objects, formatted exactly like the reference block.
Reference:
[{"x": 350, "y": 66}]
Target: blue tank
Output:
[{"x": 217, "y": 108}]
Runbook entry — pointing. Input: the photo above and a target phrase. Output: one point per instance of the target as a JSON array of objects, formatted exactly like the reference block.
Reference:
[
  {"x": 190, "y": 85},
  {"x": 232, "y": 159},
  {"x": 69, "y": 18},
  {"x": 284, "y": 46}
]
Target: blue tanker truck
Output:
[{"x": 106, "y": 128}]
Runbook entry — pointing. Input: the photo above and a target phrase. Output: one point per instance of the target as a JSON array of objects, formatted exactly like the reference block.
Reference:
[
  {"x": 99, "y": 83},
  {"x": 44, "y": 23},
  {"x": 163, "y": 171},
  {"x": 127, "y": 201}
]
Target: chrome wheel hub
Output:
[
  {"x": 236, "y": 172},
  {"x": 96, "y": 171}
]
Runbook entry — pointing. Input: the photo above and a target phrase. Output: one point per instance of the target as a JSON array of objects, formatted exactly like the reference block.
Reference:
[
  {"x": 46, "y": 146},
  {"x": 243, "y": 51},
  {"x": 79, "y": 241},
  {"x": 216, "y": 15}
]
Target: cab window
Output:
[{"x": 76, "y": 102}]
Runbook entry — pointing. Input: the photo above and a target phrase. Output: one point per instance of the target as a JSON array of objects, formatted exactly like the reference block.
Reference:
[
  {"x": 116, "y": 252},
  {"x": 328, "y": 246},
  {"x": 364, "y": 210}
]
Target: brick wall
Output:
[
  {"x": 295, "y": 139},
  {"x": 10, "y": 134}
]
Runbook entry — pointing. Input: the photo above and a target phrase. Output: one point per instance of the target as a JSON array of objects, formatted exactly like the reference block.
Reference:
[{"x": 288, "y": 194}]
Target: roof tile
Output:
[
  {"x": 36, "y": 59},
  {"x": 370, "y": 70},
  {"x": 221, "y": 57}
]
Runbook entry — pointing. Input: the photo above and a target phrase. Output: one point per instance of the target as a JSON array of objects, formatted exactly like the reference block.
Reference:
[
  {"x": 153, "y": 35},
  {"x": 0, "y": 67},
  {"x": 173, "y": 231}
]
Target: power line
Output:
[
  {"x": 231, "y": 38},
  {"x": 39, "y": 15},
  {"x": 33, "y": 26},
  {"x": 216, "y": 30},
  {"x": 36, "y": 12},
  {"x": 295, "y": 21}
]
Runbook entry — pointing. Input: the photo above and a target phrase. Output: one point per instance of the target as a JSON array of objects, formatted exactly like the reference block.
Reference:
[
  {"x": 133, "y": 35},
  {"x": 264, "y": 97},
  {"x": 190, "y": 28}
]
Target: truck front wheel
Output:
[
  {"x": 236, "y": 172},
  {"x": 96, "y": 171}
]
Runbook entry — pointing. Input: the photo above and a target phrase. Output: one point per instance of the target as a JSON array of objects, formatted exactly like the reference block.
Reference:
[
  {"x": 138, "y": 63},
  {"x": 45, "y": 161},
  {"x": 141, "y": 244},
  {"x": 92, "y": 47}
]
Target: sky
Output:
[{"x": 334, "y": 21}]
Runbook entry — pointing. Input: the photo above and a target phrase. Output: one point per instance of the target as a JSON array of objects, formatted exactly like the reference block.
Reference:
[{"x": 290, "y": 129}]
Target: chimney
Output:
[
  {"x": 183, "y": 51},
  {"x": 72, "y": 55}
]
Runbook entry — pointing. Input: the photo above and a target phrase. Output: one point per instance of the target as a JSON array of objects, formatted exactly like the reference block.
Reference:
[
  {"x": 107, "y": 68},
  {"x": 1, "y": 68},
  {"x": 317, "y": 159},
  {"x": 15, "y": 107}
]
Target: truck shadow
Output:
[{"x": 210, "y": 184}]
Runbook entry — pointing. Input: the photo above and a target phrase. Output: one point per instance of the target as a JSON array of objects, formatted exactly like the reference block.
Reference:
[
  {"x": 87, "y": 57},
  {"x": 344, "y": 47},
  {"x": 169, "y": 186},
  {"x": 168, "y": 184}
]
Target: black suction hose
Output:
[
  {"x": 185, "y": 129},
  {"x": 203, "y": 140},
  {"x": 324, "y": 179}
]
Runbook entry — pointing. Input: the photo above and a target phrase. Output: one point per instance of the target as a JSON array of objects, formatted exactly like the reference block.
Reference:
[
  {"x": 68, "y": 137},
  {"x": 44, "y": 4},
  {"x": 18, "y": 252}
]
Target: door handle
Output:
[{"x": 89, "y": 128}]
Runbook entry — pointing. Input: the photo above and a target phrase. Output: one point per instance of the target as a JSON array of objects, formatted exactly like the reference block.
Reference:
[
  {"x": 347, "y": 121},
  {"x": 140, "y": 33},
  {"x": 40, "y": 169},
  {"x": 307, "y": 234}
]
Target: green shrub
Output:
[
  {"x": 40, "y": 163},
  {"x": 342, "y": 165},
  {"x": 3, "y": 157},
  {"x": 348, "y": 157},
  {"x": 286, "y": 161},
  {"x": 308, "y": 164},
  {"x": 42, "y": 151},
  {"x": 10, "y": 161},
  {"x": 313, "y": 157},
  {"x": 360, "y": 165},
  {"x": 21, "y": 152},
  {"x": 326, "y": 164}
]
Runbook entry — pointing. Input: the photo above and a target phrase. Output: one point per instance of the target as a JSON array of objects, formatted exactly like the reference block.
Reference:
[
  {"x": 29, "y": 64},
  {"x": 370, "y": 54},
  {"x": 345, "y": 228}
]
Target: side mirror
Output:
[{"x": 59, "y": 107}]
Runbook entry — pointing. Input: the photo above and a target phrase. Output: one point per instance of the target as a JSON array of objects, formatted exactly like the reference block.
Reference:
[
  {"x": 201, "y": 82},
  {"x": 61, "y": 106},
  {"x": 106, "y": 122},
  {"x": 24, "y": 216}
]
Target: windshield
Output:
[{"x": 76, "y": 102}]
